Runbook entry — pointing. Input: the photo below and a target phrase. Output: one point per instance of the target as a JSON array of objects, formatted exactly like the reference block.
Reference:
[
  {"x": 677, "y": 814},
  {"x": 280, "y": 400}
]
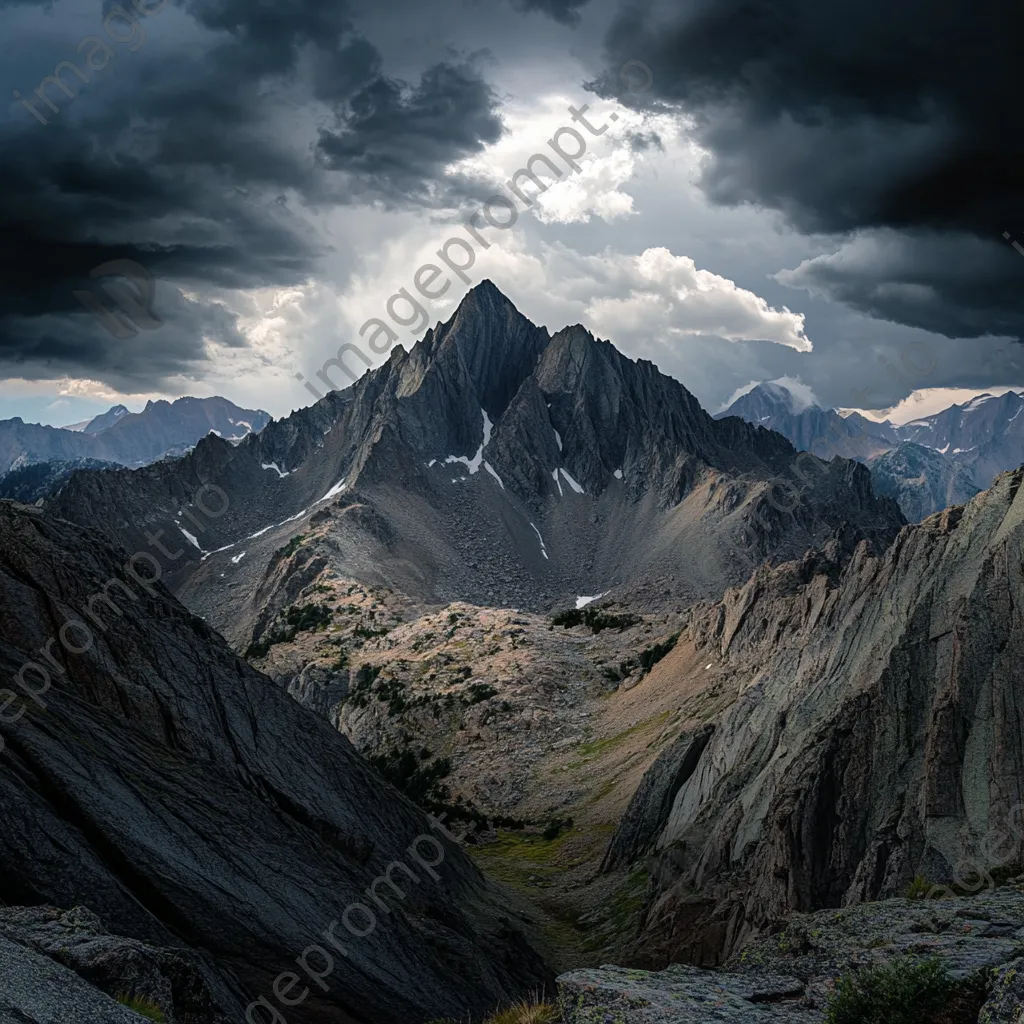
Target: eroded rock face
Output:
[
  {"x": 875, "y": 733},
  {"x": 189, "y": 802}
]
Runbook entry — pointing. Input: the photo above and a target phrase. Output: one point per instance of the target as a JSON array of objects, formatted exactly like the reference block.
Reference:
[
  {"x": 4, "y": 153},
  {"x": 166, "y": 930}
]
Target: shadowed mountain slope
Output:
[{"x": 183, "y": 797}]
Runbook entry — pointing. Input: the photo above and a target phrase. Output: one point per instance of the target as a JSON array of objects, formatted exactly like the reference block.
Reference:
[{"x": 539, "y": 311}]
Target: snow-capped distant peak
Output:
[
  {"x": 975, "y": 403},
  {"x": 791, "y": 390}
]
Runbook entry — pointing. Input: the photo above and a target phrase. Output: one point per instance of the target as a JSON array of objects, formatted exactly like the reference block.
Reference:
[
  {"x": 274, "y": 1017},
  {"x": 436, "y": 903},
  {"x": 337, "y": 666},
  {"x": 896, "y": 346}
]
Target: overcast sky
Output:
[{"x": 806, "y": 190}]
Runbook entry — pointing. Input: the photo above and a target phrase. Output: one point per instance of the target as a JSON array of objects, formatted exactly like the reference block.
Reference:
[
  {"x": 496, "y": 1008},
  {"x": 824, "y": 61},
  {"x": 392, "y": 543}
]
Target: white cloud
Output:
[
  {"x": 801, "y": 396},
  {"x": 668, "y": 294},
  {"x": 655, "y": 296},
  {"x": 608, "y": 162},
  {"x": 594, "y": 191}
]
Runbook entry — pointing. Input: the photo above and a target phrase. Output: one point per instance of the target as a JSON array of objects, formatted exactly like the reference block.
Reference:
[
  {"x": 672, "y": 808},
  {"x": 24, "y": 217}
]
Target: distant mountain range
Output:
[
  {"x": 927, "y": 464},
  {"x": 128, "y": 439}
]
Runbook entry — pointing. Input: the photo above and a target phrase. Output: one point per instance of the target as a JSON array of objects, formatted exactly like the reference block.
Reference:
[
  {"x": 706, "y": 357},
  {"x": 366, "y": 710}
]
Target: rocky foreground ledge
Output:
[
  {"x": 55, "y": 963},
  {"x": 788, "y": 978}
]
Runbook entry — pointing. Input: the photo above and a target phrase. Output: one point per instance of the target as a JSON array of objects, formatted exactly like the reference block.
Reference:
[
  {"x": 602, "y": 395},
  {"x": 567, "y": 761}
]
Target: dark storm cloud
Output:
[
  {"x": 187, "y": 156},
  {"x": 399, "y": 139},
  {"x": 78, "y": 345},
  {"x": 920, "y": 279},
  {"x": 565, "y": 11},
  {"x": 859, "y": 116}
]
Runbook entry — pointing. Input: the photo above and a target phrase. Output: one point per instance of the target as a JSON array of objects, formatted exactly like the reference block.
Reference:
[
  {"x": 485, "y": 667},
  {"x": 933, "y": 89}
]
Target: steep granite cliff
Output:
[{"x": 875, "y": 734}]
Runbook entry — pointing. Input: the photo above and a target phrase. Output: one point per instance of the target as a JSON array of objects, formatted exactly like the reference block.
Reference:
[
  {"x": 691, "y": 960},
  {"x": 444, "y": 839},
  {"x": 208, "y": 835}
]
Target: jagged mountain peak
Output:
[
  {"x": 105, "y": 419},
  {"x": 487, "y": 347},
  {"x": 500, "y": 465}
]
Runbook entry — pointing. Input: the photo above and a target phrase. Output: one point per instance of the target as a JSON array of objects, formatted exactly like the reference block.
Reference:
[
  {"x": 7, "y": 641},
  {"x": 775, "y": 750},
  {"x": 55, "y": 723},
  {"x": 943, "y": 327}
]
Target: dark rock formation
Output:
[
  {"x": 174, "y": 981},
  {"x": 37, "y": 990},
  {"x": 192, "y": 805}
]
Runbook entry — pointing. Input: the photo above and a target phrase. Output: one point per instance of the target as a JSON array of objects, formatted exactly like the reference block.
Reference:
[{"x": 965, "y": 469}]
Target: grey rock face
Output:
[
  {"x": 1005, "y": 1003},
  {"x": 36, "y": 990},
  {"x": 189, "y": 802},
  {"x": 874, "y": 734},
  {"x": 653, "y": 800},
  {"x": 498, "y": 466},
  {"x": 679, "y": 995}
]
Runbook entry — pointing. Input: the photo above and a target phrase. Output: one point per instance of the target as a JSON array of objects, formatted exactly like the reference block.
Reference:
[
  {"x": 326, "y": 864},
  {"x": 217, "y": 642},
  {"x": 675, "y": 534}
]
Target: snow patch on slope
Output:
[
  {"x": 543, "y": 549},
  {"x": 490, "y": 469},
  {"x": 333, "y": 492},
  {"x": 572, "y": 483},
  {"x": 191, "y": 538},
  {"x": 473, "y": 464}
]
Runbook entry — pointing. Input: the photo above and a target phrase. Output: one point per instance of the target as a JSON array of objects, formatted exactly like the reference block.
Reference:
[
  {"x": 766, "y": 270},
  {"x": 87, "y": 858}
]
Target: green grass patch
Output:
[
  {"x": 591, "y": 750},
  {"x": 291, "y": 547},
  {"x": 143, "y": 1007},
  {"x": 287, "y": 625}
]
